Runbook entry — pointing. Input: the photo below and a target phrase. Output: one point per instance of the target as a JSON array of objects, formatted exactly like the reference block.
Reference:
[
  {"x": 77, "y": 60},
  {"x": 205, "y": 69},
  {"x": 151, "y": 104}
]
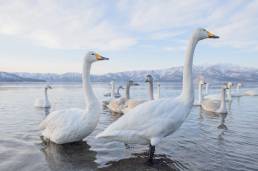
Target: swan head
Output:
[
  {"x": 148, "y": 79},
  {"x": 120, "y": 87},
  {"x": 132, "y": 83},
  {"x": 225, "y": 87},
  {"x": 48, "y": 87},
  {"x": 202, "y": 33},
  {"x": 201, "y": 82},
  {"x": 93, "y": 57},
  {"x": 239, "y": 84},
  {"x": 229, "y": 84}
]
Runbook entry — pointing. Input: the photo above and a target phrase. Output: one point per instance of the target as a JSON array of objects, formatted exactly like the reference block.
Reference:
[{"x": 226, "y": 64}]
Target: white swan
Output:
[
  {"x": 218, "y": 96},
  {"x": 200, "y": 95},
  {"x": 116, "y": 105},
  {"x": 207, "y": 89},
  {"x": 132, "y": 103},
  {"x": 111, "y": 94},
  {"x": 150, "y": 122},
  {"x": 43, "y": 103},
  {"x": 71, "y": 125},
  {"x": 237, "y": 91},
  {"x": 158, "y": 90},
  {"x": 216, "y": 106}
]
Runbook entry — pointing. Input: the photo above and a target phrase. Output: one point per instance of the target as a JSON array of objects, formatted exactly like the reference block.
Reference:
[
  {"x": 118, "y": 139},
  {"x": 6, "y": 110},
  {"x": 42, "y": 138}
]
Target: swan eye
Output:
[{"x": 92, "y": 54}]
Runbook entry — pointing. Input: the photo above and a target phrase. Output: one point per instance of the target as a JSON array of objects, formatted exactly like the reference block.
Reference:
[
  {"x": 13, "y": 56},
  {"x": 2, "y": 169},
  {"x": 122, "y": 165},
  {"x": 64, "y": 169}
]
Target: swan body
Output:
[
  {"x": 150, "y": 122},
  {"x": 71, "y": 125},
  {"x": 43, "y": 103},
  {"x": 216, "y": 106},
  {"x": 117, "y": 105},
  {"x": 131, "y": 103},
  {"x": 250, "y": 93}
]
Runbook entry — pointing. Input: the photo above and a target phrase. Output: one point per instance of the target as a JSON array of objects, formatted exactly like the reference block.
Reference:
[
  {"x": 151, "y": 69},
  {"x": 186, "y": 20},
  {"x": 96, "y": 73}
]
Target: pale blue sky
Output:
[{"x": 53, "y": 36}]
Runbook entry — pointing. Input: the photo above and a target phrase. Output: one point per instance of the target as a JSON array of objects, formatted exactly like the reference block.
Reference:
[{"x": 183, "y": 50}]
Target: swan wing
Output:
[{"x": 157, "y": 118}]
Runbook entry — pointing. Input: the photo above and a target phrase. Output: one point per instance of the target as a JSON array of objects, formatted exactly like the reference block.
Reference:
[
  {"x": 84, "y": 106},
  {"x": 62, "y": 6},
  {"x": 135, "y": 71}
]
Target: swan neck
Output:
[
  {"x": 206, "y": 88},
  {"x": 151, "y": 90},
  {"x": 89, "y": 95},
  {"x": 158, "y": 90},
  {"x": 46, "y": 96},
  {"x": 200, "y": 93},
  {"x": 127, "y": 91},
  {"x": 112, "y": 90},
  {"x": 188, "y": 90},
  {"x": 222, "y": 102}
]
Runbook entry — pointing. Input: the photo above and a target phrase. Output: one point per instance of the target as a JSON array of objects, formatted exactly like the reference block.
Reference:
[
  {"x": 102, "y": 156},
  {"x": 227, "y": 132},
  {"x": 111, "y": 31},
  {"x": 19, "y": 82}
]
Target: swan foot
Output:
[{"x": 151, "y": 153}]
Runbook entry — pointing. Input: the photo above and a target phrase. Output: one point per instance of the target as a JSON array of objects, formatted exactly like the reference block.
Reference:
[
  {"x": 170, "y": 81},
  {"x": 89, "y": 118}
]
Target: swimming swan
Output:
[
  {"x": 237, "y": 91},
  {"x": 200, "y": 95},
  {"x": 116, "y": 105},
  {"x": 216, "y": 106},
  {"x": 43, "y": 103},
  {"x": 218, "y": 96},
  {"x": 150, "y": 122},
  {"x": 71, "y": 125},
  {"x": 158, "y": 89},
  {"x": 132, "y": 103}
]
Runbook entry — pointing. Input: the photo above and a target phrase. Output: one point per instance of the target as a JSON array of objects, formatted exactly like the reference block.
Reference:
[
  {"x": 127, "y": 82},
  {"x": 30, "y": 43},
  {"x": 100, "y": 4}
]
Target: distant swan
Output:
[
  {"x": 218, "y": 96},
  {"x": 116, "y": 105},
  {"x": 216, "y": 106},
  {"x": 158, "y": 89},
  {"x": 237, "y": 91},
  {"x": 250, "y": 93},
  {"x": 132, "y": 103},
  {"x": 112, "y": 94},
  {"x": 200, "y": 95},
  {"x": 150, "y": 122},
  {"x": 43, "y": 103},
  {"x": 71, "y": 125}
]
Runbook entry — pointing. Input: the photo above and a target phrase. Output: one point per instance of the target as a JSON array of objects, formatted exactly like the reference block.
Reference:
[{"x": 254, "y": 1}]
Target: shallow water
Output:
[{"x": 201, "y": 143}]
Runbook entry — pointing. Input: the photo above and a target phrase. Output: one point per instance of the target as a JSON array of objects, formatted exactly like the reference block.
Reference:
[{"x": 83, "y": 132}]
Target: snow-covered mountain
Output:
[
  {"x": 9, "y": 77},
  {"x": 213, "y": 73}
]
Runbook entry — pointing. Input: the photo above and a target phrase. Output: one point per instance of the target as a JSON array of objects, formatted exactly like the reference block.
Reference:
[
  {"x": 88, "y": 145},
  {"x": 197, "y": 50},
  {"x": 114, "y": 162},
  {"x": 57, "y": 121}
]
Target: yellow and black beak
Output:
[
  {"x": 99, "y": 57},
  {"x": 211, "y": 35}
]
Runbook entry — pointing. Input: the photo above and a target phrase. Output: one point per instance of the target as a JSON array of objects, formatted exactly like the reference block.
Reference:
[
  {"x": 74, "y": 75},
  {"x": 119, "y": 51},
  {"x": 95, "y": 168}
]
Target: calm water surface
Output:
[{"x": 201, "y": 143}]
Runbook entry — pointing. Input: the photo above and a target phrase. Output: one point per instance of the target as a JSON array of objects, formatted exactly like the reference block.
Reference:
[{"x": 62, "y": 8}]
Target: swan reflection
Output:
[{"x": 73, "y": 156}]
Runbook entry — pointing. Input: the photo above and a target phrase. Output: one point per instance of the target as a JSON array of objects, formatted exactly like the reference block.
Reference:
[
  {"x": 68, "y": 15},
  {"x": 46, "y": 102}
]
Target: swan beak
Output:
[
  {"x": 211, "y": 35},
  {"x": 136, "y": 84},
  {"x": 100, "y": 58}
]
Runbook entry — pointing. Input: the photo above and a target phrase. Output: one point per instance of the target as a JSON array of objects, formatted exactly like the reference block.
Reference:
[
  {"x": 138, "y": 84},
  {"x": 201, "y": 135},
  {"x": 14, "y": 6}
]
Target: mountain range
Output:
[{"x": 212, "y": 73}]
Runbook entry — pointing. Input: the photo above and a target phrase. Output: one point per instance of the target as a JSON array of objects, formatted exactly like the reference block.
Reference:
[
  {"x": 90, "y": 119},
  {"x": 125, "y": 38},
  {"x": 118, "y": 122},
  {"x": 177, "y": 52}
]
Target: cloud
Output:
[
  {"x": 235, "y": 21},
  {"x": 62, "y": 25}
]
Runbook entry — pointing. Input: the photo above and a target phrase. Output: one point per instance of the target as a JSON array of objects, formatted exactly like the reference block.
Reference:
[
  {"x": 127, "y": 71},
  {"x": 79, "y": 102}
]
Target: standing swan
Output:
[
  {"x": 43, "y": 103},
  {"x": 150, "y": 122},
  {"x": 71, "y": 125}
]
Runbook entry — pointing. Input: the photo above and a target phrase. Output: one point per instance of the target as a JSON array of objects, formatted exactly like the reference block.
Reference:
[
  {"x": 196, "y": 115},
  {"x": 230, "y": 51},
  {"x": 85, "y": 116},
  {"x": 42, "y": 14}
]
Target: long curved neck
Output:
[
  {"x": 206, "y": 88},
  {"x": 46, "y": 96},
  {"x": 118, "y": 90},
  {"x": 188, "y": 90},
  {"x": 151, "y": 90},
  {"x": 222, "y": 107},
  {"x": 158, "y": 91},
  {"x": 238, "y": 87},
  {"x": 90, "y": 98},
  {"x": 200, "y": 93},
  {"x": 127, "y": 91},
  {"x": 112, "y": 90},
  {"x": 229, "y": 93}
]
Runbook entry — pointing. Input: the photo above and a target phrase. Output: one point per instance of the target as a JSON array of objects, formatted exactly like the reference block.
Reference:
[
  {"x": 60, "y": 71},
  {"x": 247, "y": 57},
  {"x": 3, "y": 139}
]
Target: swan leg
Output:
[{"x": 151, "y": 153}]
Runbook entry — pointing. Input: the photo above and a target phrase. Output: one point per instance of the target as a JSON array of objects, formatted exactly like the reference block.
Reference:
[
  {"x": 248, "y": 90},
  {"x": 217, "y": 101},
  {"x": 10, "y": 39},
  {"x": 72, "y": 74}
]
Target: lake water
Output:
[{"x": 198, "y": 145}]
